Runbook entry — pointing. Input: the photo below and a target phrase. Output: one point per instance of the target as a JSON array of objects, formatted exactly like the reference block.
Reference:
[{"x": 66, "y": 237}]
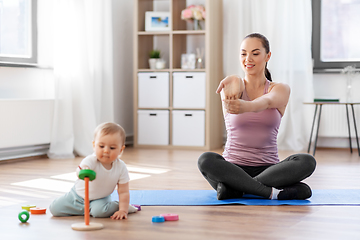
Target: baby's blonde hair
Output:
[{"x": 110, "y": 128}]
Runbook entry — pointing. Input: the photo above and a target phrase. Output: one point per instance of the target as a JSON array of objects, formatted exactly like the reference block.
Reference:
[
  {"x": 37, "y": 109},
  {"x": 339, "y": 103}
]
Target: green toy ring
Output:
[
  {"x": 22, "y": 218},
  {"x": 87, "y": 173}
]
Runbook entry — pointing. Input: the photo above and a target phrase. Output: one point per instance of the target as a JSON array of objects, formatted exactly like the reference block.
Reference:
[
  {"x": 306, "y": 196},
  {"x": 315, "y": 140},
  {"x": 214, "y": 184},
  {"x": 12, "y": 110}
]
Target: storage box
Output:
[
  {"x": 153, "y": 127},
  {"x": 188, "y": 128},
  {"x": 189, "y": 90},
  {"x": 153, "y": 90}
]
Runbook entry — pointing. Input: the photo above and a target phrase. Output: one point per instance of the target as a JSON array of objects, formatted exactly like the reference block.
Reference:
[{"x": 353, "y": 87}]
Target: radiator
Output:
[
  {"x": 25, "y": 127},
  {"x": 333, "y": 122}
]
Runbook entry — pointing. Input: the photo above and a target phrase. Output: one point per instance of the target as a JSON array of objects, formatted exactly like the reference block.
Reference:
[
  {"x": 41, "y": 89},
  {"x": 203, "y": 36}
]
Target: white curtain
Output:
[
  {"x": 287, "y": 25},
  {"x": 83, "y": 73}
]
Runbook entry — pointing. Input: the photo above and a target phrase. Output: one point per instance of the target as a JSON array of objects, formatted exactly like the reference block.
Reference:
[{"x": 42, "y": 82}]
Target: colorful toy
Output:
[
  {"x": 36, "y": 210},
  {"x": 22, "y": 214},
  {"x": 157, "y": 219},
  {"x": 170, "y": 217},
  {"x": 87, "y": 175},
  {"x": 27, "y": 207},
  {"x": 137, "y": 206}
]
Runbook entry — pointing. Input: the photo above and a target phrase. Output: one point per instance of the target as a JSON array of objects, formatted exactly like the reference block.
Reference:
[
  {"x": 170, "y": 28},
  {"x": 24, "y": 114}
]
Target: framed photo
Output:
[
  {"x": 188, "y": 61},
  {"x": 157, "y": 21}
]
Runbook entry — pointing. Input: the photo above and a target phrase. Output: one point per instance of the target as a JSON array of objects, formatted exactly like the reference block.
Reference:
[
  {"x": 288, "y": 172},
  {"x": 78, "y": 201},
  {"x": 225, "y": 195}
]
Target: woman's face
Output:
[{"x": 253, "y": 56}]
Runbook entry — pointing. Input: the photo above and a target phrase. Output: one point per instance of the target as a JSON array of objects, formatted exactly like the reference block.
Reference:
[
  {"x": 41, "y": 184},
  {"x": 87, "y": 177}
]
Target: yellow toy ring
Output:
[{"x": 27, "y": 207}]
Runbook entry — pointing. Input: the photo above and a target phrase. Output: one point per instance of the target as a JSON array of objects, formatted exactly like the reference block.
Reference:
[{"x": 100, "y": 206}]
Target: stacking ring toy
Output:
[
  {"x": 87, "y": 173},
  {"x": 170, "y": 217},
  {"x": 22, "y": 218},
  {"x": 27, "y": 207},
  {"x": 38, "y": 210},
  {"x": 158, "y": 219}
]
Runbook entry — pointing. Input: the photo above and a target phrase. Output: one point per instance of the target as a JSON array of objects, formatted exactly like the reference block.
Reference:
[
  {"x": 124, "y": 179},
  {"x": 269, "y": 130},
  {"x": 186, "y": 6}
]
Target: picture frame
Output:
[
  {"x": 157, "y": 21},
  {"x": 188, "y": 61}
]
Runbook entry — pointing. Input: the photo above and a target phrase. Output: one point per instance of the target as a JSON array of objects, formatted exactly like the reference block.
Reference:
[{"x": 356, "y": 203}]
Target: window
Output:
[
  {"x": 336, "y": 33},
  {"x": 18, "y": 41}
]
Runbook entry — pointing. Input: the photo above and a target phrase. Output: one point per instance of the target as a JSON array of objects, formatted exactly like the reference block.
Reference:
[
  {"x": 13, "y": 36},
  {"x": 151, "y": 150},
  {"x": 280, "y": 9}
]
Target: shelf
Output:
[
  {"x": 153, "y": 109},
  {"x": 191, "y": 32},
  {"x": 187, "y": 32},
  {"x": 189, "y": 109},
  {"x": 189, "y": 70},
  {"x": 180, "y": 39},
  {"x": 153, "y": 70},
  {"x": 171, "y": 70},
  {"x": 151, "y": 33}
]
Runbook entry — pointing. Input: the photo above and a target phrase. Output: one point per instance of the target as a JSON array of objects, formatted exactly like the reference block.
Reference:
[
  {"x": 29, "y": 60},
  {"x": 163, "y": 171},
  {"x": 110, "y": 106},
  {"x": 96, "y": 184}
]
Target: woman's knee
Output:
[
  {"x": 206, "y": 159},
  {"x": 308, "y": 162}
]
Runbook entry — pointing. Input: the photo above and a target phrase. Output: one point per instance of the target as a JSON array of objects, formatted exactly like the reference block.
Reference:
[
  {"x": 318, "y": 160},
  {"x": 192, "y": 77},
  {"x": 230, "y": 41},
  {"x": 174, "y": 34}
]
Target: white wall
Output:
[
  {"x": 333, "y": 85},
  {"x": 123, "y": 64}
]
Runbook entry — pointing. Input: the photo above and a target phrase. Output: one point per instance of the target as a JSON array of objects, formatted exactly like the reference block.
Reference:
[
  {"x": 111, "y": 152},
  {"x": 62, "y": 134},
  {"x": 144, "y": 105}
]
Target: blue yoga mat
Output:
[{"x": 208, "y": 197}]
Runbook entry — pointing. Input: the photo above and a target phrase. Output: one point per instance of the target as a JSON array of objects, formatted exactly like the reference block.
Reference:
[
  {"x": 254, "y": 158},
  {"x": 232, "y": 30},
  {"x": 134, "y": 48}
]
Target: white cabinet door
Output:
[
  {"x": 153, "y": 90},
  {"x": 188, "y": 128},
  {"x": 153, "y": 127},
  {"x": 189, "y": 90}
]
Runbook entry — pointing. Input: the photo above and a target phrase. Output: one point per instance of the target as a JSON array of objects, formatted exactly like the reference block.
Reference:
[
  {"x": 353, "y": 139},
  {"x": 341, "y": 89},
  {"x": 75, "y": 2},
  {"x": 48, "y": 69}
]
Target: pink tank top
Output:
[{"x": 252, "y": 136}]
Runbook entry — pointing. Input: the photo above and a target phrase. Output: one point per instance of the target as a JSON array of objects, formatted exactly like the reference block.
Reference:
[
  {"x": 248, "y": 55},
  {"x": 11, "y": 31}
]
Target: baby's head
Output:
[
  {"x": 110, "y": 128},
  {"x": 109, "y": 141}
]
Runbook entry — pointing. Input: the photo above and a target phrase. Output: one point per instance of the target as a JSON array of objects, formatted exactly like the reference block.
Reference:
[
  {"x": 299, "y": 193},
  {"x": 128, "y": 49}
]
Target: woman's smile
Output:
[{"x": 249, "y": 66}]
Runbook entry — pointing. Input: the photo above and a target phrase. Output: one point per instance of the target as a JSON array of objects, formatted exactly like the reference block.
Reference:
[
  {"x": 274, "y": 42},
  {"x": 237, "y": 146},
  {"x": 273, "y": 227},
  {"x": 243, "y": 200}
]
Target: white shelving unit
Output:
[{"x": 173, "y": 107}]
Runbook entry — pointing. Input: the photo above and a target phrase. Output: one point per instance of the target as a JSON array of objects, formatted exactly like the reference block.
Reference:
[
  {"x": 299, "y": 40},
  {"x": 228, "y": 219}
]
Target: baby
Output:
[{"x": 108, "y": 145}]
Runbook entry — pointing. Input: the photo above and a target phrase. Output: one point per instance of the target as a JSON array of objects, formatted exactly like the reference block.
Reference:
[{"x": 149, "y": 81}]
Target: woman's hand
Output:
[
  {"x": 118, "y": 215},
  {"x": 232, "y": 87},
  {"x": 237, "y": 106}
]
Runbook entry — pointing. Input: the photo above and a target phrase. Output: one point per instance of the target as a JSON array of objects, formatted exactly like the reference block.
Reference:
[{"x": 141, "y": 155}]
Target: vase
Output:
[
  {"x": 152, "y": 63},
  {"x": 160, "y": 64},
  {"x": 197, "y": 25}
]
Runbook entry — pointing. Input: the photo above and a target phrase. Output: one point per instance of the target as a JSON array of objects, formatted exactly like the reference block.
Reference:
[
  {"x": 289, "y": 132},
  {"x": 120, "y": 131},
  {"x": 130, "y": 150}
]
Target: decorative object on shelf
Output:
[
  {"x": 199, "y": 58},
  {"x": 160, "y": 64},
  {"x": 188, "y": 61},
  {"x": 157, "y": 21},
  {"x": 154, "y": 57},
  {"x": 195, "y": 14},
  {"x": 351, "y": 73}
]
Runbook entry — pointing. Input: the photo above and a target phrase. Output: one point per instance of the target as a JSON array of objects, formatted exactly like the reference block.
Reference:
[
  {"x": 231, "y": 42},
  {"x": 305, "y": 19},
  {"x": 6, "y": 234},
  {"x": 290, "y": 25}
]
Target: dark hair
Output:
[{"x": 266, "y": 45}]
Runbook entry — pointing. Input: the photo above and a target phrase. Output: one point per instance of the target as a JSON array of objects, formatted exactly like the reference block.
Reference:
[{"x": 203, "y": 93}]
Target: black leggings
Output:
[{"x": 256, "y": 180}]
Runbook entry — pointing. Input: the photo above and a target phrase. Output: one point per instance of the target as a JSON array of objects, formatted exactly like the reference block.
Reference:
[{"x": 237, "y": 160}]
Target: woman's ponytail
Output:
[{"x": 267, "y": 73}]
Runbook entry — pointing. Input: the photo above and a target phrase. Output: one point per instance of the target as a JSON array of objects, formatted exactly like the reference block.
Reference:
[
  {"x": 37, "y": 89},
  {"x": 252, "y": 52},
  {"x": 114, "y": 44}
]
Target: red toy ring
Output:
[{"x": 37, "y": 210}]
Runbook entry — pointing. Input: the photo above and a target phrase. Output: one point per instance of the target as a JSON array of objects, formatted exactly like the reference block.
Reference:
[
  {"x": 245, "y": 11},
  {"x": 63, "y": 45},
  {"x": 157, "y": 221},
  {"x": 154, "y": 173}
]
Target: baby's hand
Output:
[
  {"x": 119, "y": 215},
  {"x": 78, "y": 169}
]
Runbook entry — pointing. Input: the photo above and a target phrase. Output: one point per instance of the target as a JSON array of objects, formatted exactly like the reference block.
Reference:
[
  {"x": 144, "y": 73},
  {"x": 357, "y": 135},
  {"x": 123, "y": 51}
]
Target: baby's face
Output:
[{"x": 107, "y": 148}]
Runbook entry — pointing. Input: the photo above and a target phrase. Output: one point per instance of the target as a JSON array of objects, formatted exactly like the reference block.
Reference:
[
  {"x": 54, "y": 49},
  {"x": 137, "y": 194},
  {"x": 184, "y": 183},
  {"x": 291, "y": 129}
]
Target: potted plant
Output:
[{"x": 154, "y": 57}]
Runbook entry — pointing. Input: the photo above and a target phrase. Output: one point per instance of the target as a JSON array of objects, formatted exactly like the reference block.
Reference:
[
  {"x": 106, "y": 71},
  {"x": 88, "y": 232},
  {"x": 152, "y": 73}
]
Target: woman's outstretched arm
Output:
[{"x": 277, "y": 97}]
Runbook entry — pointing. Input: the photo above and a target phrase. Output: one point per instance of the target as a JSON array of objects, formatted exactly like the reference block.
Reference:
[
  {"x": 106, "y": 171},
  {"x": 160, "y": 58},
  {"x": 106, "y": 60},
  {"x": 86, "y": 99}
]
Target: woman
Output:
[{"x": 253, "y": 108}]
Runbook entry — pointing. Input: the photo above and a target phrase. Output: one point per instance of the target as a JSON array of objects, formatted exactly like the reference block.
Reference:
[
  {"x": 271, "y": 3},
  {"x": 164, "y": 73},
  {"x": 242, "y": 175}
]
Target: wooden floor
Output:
[{"x": 39, "y": 181}]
